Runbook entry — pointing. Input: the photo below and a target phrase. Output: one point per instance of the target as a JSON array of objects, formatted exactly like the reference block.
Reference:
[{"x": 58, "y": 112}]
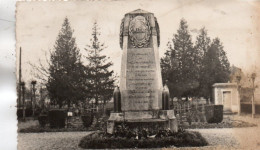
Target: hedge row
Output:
[
  {"x": 214, "y": 113},
  {"x": 57, "y": 118},
  {"x": 28, "y": 112},
  {"x": 43, "y": 120},
  {"x": 87, "y": 119}
]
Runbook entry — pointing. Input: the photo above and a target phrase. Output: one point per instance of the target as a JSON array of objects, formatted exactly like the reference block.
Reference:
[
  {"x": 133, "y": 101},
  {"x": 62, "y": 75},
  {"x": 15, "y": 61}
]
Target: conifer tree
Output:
[
  {"x": 191, "y": 71},
  {"x": 202, "y": 43},
  {"x": 179, "y": 61},
  {"x": 225, "y": 71},
  {"x": 66, "y": 81},
  {"x": 166, "y": 63},
  {"x": 101, "y": 80},
  {"x": 216, "y": 68},
  {"x": 202, "y": 46}
]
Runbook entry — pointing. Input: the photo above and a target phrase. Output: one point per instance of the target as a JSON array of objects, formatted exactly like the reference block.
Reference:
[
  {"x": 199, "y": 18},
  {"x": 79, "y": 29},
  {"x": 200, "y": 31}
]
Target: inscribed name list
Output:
[{"x": 140, "y": 78}]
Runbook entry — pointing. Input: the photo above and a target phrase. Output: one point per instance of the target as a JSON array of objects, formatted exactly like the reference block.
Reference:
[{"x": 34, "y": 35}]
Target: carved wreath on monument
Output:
[
  {"x": 121, "y": 34},
  {"x": 139, "y": 31}
]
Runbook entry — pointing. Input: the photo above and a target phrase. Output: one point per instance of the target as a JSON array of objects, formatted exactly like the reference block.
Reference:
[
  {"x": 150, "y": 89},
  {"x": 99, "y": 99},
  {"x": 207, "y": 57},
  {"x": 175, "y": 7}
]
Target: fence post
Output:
[
  {"x": 203, "y": 113},
  {"x": 196, "y": 106},
  {"x": 180, "y": 114},
  {"x": 189, "y": 107},
  {"x": 184, "y": 107}
]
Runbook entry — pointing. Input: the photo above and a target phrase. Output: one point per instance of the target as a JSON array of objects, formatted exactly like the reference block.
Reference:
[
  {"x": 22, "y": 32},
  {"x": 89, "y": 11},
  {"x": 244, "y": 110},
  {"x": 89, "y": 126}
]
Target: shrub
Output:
[
  {"x": 19, "y": 113},
  {"x": 108, "y": 111},
  {"x": 43, "y": 119},
  {"x": 214, "y": 113},
  {"x": 37, "y": 112},
  {"x": 87, "y": 119},
  {"x": 28, "y": 112},
  {"x": 57, "y": 118},
  {"x": 180, "y": 139}
]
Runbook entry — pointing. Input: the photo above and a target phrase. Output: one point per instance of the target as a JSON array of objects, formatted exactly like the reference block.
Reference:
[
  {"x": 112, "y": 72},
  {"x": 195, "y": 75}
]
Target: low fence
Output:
[
  {"x": 247, "y": 108},
  {"x": 187, "y": 111}
]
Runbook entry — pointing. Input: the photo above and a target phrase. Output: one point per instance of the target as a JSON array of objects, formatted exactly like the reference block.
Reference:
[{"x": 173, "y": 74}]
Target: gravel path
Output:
[
  {"x": 236, "y": 138},
  {"x": 217, "y": 138},
  {"x": 225, "y": 138},
  {"x": 50, "y": 141}
]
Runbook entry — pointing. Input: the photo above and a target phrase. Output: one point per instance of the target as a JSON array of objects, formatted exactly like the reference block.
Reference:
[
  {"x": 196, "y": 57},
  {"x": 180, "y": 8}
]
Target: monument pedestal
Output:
[{"x": 159, "y": 119}]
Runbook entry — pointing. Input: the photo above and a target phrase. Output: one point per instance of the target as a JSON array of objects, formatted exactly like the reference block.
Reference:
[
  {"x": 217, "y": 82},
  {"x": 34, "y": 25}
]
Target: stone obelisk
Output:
[
  {"x": 140, "y": 79},
  {"x": 141, "y": 93}
]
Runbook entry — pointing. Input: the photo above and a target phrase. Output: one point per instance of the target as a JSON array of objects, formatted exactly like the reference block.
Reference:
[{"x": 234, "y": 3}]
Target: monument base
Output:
[{"x": 156, "y": 119}]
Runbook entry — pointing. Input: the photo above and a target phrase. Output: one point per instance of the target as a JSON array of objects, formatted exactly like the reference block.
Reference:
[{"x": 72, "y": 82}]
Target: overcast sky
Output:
[{"x": 233, "y": 21}]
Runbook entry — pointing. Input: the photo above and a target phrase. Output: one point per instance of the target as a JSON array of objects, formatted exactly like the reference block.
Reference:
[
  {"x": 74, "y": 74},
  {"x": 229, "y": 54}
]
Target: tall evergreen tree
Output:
[
  {"x": 216, "y": 68},
  {"x": 181, "y": 72},
  {"x": 225, "y": 71},
  {"x": 202, "y": 46},
  {"x": 202, "y": 43},
  {"x": 66, "y": 82},
  {"x": 101, "y": 80},
  {"x": 166, "y": 63},
  {"x": 191, "y": 71}
]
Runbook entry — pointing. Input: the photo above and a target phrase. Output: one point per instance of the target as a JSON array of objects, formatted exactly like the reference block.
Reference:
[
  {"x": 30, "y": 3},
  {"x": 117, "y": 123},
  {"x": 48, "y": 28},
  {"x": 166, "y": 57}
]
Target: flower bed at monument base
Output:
[{"x": 101, "y": 140}]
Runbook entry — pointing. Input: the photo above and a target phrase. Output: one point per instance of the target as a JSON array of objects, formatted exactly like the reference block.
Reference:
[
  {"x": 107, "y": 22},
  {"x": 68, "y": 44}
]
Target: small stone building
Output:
[{"x": 227, "y": 94}]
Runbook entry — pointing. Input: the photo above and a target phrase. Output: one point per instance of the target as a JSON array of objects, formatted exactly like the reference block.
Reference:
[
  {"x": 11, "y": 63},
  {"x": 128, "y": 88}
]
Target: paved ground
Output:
[
  {"x": 236, "y": 138},
  {"x": 50, "y": 141},
  {"x": 232, "y": 138},
  {"x": 239, "y": 138}
]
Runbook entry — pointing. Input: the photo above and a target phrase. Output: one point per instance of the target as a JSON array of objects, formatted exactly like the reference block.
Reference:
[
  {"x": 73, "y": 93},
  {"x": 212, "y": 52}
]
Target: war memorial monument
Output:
[{"x": 141, "y": 101}]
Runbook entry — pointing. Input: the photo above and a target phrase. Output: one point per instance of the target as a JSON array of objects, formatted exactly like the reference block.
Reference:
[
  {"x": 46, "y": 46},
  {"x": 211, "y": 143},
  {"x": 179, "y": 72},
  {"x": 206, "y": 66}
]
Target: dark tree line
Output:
[
  {"x": 190, "y": 69},
  {"x": 69, "y": 80}
]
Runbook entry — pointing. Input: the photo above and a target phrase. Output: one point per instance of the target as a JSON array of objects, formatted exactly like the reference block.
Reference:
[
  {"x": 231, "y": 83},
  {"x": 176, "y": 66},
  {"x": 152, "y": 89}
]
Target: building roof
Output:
[{"x": 224, "y": 85}]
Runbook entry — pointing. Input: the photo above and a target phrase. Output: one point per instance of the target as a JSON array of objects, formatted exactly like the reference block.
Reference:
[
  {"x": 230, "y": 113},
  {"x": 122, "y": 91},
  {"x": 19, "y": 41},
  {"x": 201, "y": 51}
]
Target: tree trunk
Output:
[
  {"x": 96, "y": 100},
  {"x": 208, "y": 100},
  {"x": 69, "y": 104},
  {"x": 60, "y": 105}
]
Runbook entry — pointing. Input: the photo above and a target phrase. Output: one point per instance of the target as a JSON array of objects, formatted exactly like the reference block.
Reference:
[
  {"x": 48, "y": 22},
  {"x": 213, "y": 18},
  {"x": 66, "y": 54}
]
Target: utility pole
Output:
[
  {"x": 41, "y": 99},
  {"x": 23, "y": 89},
  {"x": 20, "y": 76},
  {"x": 238, "y": 79},
  {"x": 31, "y": 95},
  {"x": 34, "y": 98},
  {"x": 253, "y": 76}
]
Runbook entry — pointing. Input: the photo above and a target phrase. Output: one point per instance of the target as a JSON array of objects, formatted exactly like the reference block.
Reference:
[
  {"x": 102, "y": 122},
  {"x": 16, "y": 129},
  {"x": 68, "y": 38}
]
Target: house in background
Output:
[{"x": 236, "y": 99}]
